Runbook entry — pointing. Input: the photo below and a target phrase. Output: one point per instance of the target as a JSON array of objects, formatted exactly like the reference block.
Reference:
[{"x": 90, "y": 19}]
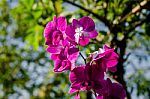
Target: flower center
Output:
[
  {"x": 101, "y": 50},
  {"x": 95, "y": 54},
  {"x": 78, "y": 33}
]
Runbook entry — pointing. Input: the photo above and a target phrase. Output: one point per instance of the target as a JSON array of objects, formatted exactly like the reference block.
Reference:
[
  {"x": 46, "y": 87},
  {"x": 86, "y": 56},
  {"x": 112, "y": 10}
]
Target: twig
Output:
[
  {"x": 95, "y": 93},
  {"x": 44, "y": 6},
  {"x": 103, "y": 19},
  {"x": 55, "y": 9},
  {"x": 83, "y": 57},
  {"x": 135, "y": 10},
  {"x": 136, "y": 24}
]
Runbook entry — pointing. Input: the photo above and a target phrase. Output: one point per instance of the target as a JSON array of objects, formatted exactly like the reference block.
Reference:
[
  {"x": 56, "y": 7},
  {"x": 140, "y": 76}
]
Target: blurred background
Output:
[{"x": 26, "y": 71}]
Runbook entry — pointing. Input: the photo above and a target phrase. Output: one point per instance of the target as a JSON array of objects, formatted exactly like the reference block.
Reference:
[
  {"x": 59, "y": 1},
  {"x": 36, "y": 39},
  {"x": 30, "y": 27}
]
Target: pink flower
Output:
[
  {"x": 62, "y": 40},
  {"x": 105, "y": 58},
  {"x": 56, "y": 49},
  {"x": 55, "y": 36},
  {"x": 81, "y": 31},
  {"x": 84, "y": 78},
  {"x": 110, "y": 90},
  {"x": 62, "y": 51},
  {"x": 54, "y": 31},
  {"x": 65, "y": 60},
  {"x": 79, "y": 79}
]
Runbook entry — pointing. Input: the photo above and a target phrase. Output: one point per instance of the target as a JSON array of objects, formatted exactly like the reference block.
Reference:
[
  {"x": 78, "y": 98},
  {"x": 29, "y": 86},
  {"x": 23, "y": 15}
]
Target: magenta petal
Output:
[
  {"x": 103, "y": 65},
  {"x": 95, "y": 72},
  {"x": 73, "y": 57},
  {"x": 107, "y": 59},
  {"x": 93, "y": 34},
  {"x": 76, "y": 23},
  {"x": 111, "y": 63},
  {"x": 100, "y": 56},
  {"x": 72, "y": 76},
  {"x": 72, "y": 90},
  {"x": 57, "y": 65},
  {"x": 77, "y": 96},
  {"x": 118, "y": 91},
  {"x": 50, "y": 27},
  {"x": 99, "y": 97},
  {"x": 75, "y": 86},
  {"x": 79, "y": 79},
  {"x": 70, "y": 31},
  {"x": 48, "y": 41},
  {"x": 87, "y": 23},
  {"x": 84, "y": 41},
  {"x": 111, "y": 90},
  {"x": 61, "y": 66},
  {"x": 111, "y": 59},
  {"x": 61, "y": 23},
  {"x": 63, "y": 54},
  {"x": 112, "y": 69},
  {"x": 104, "y": 87},
  {"x": 105, "y": 47},
  {"x": 54, "y": 49},
  {"x": 54, "y": 56},
  {"x": 73, "y": 50},
  {"x": 65, "y": 42},
  {"x": 57, "y": 36},
  {"x": 77, "y": 74},
  {"x": 73, "y": 53},
  {"x": 55, "y": 19}
]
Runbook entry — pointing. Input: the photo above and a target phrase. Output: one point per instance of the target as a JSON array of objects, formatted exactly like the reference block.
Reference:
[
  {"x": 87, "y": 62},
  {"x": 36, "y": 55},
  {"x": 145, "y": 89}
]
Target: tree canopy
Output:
[{"x": 25, "y": 67}]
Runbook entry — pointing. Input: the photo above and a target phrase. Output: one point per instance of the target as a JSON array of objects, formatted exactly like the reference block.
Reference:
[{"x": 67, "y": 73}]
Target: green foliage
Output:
[{"x": 24, "y": 61}]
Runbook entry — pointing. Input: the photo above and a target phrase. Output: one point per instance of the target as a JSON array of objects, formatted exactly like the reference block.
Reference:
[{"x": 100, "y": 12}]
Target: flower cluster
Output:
[{"x": 62, "y": 41}]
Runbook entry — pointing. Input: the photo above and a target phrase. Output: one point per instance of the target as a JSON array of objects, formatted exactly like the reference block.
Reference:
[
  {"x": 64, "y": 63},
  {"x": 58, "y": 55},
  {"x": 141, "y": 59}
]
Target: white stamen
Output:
[
  {"x": 78, "y": 33},
  {"x": 95, "y": 54},
  {"x": 101, "y": 50}
]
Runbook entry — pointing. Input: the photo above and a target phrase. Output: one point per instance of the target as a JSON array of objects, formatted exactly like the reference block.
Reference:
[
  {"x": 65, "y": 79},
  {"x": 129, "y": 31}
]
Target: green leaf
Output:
[
  {"x": 58, "y": 6},
  {"x": 37, "y": 14}
]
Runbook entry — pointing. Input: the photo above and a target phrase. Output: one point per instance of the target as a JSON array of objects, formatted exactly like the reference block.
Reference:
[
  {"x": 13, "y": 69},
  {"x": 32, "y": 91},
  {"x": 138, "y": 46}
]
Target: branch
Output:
[
  {"x": 83, "y": 57},
  {"x": 55, "y": 9},
  {"x": 103, "y": 19},
  {"x": 44, "y": 6},
  {"x": 105, "y": 8},
  {"x": 136, "y": 9},
  {"x": 136, "y": 24}
]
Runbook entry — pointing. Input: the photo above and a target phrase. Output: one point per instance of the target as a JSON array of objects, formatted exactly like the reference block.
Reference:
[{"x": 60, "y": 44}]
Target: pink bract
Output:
[
  {"x": 105, "y": 58},
  {"x": 65, "y": 60},
  {"x": 54, "y": 31},
  {"x": 62, "y": 41},
  {"x": 84, "y": 78},
  {"x": 111, "y": 90},
  {"x": 81, "y": 31}
]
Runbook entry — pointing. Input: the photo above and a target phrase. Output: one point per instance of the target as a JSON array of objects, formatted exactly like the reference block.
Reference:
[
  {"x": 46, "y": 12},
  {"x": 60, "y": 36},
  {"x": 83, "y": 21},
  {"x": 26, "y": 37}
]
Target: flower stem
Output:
[
  {"x": 83, "y": 57},
  {"x": 95, "y": 93}
]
